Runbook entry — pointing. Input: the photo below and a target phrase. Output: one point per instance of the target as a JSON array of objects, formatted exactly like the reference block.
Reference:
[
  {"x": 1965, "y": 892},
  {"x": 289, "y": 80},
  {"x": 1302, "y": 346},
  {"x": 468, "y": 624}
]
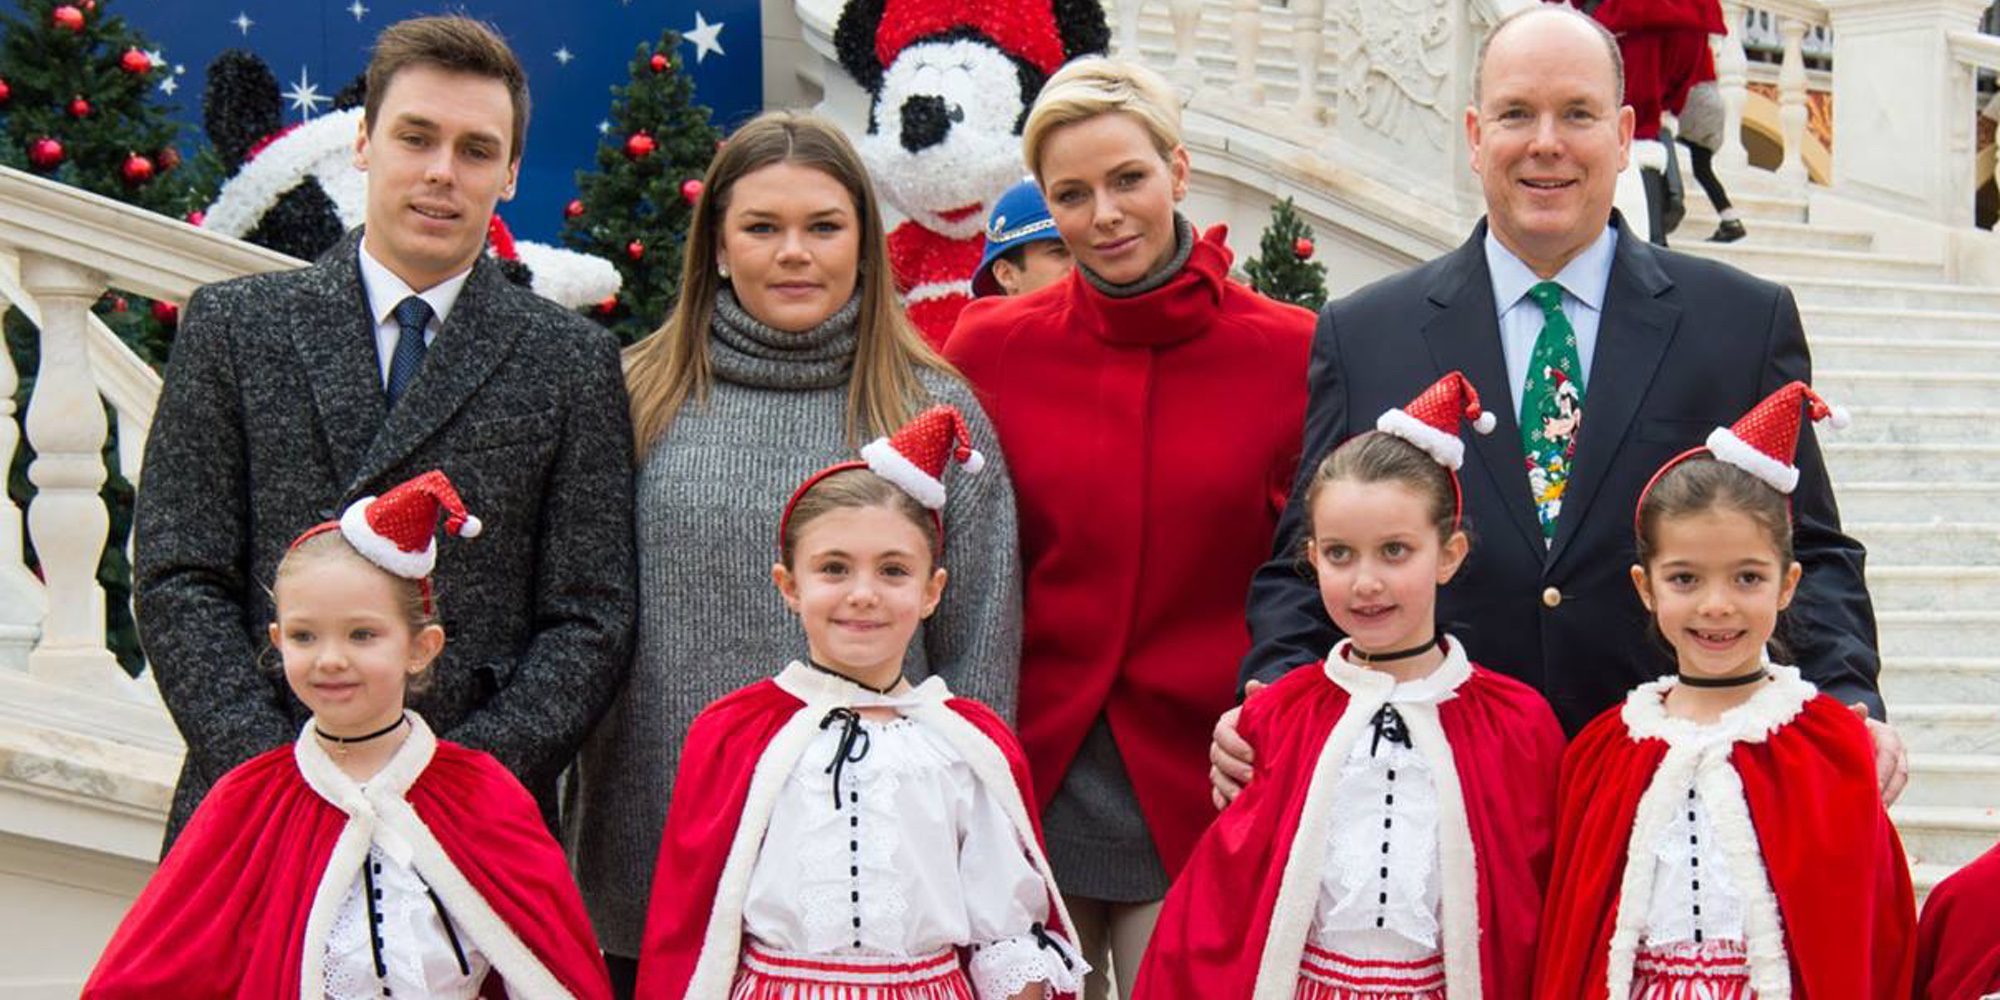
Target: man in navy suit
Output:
[{"x": 1672, "y": 346}]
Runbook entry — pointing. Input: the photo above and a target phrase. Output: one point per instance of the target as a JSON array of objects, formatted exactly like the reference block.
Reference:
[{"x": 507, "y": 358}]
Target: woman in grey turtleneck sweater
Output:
[{"x": 787, "y": 350}]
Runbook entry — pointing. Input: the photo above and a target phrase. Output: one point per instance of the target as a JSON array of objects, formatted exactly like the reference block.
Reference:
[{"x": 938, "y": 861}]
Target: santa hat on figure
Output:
[
  {"x": 913, "y": 460},
  {"x": 397, "y": 531},
  {"x": 1430, "y": 422},
  {"x": 1763, "y": 442}
]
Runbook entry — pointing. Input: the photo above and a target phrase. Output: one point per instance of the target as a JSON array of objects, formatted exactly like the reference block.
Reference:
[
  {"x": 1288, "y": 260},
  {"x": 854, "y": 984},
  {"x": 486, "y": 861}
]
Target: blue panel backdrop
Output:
[{"x": 574, "y": 53}]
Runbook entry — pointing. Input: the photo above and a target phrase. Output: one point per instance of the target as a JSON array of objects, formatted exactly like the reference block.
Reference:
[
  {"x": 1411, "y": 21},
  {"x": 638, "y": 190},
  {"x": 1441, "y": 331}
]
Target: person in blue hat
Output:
[{"x": 1023, "y": 250}]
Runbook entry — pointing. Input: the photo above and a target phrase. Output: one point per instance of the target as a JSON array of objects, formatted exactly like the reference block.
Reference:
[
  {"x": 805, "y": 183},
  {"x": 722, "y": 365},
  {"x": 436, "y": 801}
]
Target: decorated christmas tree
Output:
[
  {"x": 1283, "y": 268},
  {"x": 634, "y": 209}
]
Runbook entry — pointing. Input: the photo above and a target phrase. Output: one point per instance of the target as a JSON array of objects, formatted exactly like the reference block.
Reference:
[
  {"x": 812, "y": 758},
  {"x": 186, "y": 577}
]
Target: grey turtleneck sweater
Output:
[{"x": 708, "y": 497}]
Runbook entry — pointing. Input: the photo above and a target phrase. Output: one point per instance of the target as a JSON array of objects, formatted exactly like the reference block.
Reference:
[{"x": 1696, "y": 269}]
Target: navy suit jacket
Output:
[{"x": 1685, "y": 345}]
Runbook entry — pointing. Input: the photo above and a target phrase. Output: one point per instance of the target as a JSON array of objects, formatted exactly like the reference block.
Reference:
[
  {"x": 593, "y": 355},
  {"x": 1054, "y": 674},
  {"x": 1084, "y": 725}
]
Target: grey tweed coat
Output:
[{"x": 273, "y": 418}]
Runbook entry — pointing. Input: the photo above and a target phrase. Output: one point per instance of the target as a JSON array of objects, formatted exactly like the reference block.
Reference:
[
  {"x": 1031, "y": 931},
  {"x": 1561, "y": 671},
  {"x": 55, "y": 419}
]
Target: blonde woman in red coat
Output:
[{"x": 1152, "y": 412}]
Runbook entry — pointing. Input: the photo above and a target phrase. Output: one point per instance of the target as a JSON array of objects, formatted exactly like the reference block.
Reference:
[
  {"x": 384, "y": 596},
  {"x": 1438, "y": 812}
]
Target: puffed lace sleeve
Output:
[{"x": 1007, "y": 906}]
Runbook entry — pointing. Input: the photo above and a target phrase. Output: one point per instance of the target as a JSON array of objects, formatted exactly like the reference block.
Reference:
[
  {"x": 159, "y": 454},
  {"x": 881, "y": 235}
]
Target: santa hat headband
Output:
[
  {"x": 1763, "y": 442},
  {"x": 912, "y": 459},
  {"x": 398, "y": 530},
  {"x": 1027, "y": 30},
  {"x": 1430, "y": 422}
]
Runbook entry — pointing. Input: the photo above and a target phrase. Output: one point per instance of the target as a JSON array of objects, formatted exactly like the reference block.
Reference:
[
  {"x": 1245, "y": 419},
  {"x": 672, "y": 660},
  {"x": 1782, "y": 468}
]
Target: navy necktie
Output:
[{"x": 412, "y": 314}]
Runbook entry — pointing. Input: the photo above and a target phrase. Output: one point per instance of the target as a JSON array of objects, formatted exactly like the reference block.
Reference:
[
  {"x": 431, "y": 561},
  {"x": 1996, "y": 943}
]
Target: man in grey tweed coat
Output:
[{"x": 291, "y": 395}]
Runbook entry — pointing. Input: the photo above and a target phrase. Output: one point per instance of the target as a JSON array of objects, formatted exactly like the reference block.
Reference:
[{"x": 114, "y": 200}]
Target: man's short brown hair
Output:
[{"x": 457, "y": 44}]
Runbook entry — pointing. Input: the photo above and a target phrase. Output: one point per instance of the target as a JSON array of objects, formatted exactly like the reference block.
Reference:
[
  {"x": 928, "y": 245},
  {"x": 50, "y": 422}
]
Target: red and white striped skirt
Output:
[
  {"x": 764, "y": 974},
  {"x": 1711, "y": 970},
  {"x": 1326, "y": 975}
]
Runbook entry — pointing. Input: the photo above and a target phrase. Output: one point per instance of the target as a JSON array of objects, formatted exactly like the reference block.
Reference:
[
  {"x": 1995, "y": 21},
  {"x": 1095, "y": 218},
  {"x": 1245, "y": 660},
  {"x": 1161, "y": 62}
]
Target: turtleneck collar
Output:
[
  {"x": 1176, "y": 305},
  {"x": 746, "y": 351},
  {"x": 1183, "y": 246}
]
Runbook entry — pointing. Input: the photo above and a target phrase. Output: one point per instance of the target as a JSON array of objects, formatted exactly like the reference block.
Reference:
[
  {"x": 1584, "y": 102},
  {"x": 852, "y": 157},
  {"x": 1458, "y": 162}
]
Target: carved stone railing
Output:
[{"x": 1793, "y": 21}]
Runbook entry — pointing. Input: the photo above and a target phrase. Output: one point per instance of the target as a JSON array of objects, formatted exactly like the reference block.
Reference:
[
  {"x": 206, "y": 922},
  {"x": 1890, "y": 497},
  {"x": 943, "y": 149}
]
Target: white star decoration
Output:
[
  {"x": 603, "y": 128},
  {"x": 242, "y": 22},
  {"x": 154, "y": 57},
  {"x": 705, "y": 37},
  {"x": 305, "y": 96},
  {"x": 564, "y": 55},
  {"x": 168, "y": 86},
  {"x": 358, "y": 9}
]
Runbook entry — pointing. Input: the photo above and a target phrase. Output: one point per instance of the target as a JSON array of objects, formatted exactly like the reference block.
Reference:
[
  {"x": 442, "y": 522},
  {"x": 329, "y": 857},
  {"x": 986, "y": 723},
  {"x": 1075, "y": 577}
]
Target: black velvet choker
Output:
[
  {"x": 884, "y": 691},
  {"x": 346, "y": 741},
  {"x": 1723, "y": 682},
  {"x": 1355, "y": 653}
]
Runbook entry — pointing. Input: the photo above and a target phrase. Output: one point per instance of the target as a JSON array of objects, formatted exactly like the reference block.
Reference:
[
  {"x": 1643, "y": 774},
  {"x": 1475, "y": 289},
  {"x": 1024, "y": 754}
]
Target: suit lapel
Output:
[
  {"x": 469, "y": 346},
  {"x": 1464, "y": 334},
  {"x": 1632, "y": 337},
  {"x": 335, "y": 342}
]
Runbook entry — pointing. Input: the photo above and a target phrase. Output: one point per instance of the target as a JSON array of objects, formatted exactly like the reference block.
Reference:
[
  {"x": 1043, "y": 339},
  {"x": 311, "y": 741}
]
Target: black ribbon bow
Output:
[
  {"x": 853, "y": 745},
  {"x": 1389, "y": 726}
]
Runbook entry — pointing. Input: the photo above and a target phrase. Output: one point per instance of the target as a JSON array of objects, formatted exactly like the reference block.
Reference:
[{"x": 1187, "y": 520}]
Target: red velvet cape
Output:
[
  {"x": 1958, "y": 940},
  {"x": 226, "y": 914},
  {"x": 1507, "y": 747},
  {"x": 1834, "y": 862},
  {"x": 724, "y": 747},
  {"x": 1152, "y": 441}
]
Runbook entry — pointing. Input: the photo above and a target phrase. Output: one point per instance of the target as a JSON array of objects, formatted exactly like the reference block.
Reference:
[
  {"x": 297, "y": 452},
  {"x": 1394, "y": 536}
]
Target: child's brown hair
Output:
[
  {"x": 1376, "y": 457},
  {"x": 857, "y": 488},
  {"x": 414, "y": 604}
]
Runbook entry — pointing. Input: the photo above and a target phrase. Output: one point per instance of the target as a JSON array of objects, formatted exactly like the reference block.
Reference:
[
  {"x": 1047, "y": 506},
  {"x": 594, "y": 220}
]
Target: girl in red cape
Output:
[
  {"x": 1721, "y": 834},
  {"x": 1958, "y": 939},
  {"x": 368, "y": 859},
  {"x": 1395, "y": 838},
  {"x": 836, "y": 832}
]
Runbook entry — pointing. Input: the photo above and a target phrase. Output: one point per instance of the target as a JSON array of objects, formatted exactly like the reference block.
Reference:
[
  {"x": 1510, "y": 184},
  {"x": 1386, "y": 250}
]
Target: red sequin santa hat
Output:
[
  {"x": 1763, "y": 442},
  {"x": 1027, "y": 30},
  {"x": 398, "y": 530},
  {"x": 913, "y": 459},
  {"x": 1430, "y": 422}
]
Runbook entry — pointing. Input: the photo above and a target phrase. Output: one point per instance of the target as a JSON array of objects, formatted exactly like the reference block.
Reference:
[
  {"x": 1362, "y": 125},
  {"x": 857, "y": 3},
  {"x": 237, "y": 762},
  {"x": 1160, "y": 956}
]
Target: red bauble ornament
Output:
[
  {"x": 45, "y": 153},
  {"x": 691, "y": 190},
  {"x": 168, "y": 158},
  {"x": 136, "y": 169},
  {"x": 90, "y": 5},
  {"x": 659, "y": 63},
  {"x": 5, "y": 92},
  {"x": 68, "y": 18},
  {"x": 1302, "y": 248},
  {"x": 119, "y": 305},
  {"x": 166, "y": 312},
  {"x": 640, "y": 145},
  {"x": 573, "y": 209},
  {"x": 635, "y": 249},
  {"x": 135, "y": 62},
  {"x": 197, "y": 217},
  {"x": 608, "y": 306},
  {"x": 78, "y": 107}
]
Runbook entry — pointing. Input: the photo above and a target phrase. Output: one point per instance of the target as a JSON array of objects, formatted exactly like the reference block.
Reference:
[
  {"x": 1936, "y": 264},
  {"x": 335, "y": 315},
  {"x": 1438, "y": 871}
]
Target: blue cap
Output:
[{"x": 1020, "y": 216}]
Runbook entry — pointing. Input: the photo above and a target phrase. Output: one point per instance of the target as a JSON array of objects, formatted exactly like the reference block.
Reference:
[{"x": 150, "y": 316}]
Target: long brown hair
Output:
[{"x": 671, "y": 367}]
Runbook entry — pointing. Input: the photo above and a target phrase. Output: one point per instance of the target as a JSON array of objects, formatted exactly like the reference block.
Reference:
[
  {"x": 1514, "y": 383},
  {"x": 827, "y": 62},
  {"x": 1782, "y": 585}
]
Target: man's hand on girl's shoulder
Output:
[
  {"x": 1229, "y": 754},
  {"x": 1892, "y": 758}
]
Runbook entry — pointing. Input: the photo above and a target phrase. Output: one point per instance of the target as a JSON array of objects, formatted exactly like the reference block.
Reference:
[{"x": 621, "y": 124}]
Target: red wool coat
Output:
[
  {"x": 1827, "y": 907},
  {"x": 1958, "y": 941},
  {"x": 1238, "y": 918},
  {"x": 1153, "y": 442},
  {"x": 242, "y": 905},
  {"x": 739, "y": 752}
]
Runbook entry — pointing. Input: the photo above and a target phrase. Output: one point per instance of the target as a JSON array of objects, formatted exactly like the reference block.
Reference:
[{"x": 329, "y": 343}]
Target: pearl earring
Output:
[{"x": 722, "y": 270}]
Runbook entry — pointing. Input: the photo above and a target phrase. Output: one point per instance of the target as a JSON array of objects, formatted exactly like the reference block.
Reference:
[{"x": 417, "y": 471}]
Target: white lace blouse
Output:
[
  {"x": 1694, "y": 898},
  {"x": 898, "y": 850},
  {"x": 422, "y": 955}
]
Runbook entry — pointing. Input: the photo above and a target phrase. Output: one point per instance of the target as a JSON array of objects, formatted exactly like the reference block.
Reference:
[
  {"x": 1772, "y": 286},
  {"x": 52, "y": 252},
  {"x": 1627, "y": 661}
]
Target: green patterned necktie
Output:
[{"x": 1551, "y": 407}]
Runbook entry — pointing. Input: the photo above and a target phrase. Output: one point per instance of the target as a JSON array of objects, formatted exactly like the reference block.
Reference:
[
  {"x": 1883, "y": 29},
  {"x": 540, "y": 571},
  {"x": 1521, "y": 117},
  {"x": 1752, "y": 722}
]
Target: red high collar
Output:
[{"x": 1179, "y": 310}]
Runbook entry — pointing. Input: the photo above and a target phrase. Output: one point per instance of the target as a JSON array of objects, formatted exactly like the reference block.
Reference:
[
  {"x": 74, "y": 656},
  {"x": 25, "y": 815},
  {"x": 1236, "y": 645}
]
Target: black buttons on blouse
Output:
[{"x": 1694, "y": 864}]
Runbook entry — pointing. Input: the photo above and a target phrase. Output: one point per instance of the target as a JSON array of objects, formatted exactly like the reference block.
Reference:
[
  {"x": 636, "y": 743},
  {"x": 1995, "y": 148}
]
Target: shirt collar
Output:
[
  {"x": 1585, "y": 277},
  {"x": 386, "y": 290}
]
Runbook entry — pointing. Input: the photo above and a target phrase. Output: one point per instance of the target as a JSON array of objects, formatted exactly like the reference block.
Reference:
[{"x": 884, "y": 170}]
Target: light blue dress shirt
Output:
[{"x": 1583, "y": 281}]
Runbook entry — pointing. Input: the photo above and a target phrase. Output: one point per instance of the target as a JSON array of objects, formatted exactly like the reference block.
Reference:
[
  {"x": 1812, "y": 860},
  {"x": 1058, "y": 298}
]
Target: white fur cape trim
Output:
[
  {"x": 1298, "y": 888},
  {"x": 1698, "y": 756},
  {"x": 1650, "y": 154},
  {"x": 381, "y": 551},
  {"x": 715, "y": 969},
  {"x": 884, "y": 460},
  {"x": 382, "y": 807},
  {"x": 931, "y": 290},
  {"x": 1448, "y": 449},
  {"x": 1726, "y": 446},
  {"x": 322, "y": 148}
]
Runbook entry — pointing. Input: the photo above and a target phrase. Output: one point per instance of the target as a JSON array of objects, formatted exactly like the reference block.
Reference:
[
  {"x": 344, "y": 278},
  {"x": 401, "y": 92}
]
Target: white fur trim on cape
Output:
[
  {"x": 568, "y": 278},
  {"x": 1698, "y": 756},
  {"x": 1448, "y": 449},
  {"x": 322, "y": 148},
  {"x": 715, "y": 969},
  {"x": 884, "y": 460},
  {"x": 382, "y": 809},
  {"x": 1726, "y": 446},
  {"x": 932, "y": 290},
  {"x": 381, "y": 551}
]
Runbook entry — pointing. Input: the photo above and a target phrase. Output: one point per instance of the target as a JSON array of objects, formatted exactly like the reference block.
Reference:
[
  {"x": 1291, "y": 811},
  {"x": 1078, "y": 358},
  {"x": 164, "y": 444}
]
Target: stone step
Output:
[
  {"x": 1884, "y": 352},
  {"x": 1925, "y": 877},
  {"x": 1948, "y": 728},
  {"x": 1890, "y": 298},
  {"x": 1918, "y": 424},
  {"x": 1933, "y": 588},
  {"x": 1768, "y": 232},
  {"x": 1933, "y": 680},
  {"x": 1937, "y": 633},
  {"x": 1902, "y": 500},
  {"x": 1953, "y": 779},
  {"x": 1928, "y": 462},
  {"x": 1755, "y": 206},
  {"x": 1946, "y": 835},
  {"x": 1853, "y": 387},
  {"x": 1977, "y": 321},
  {"x": 1949, "y": 543},
  {"x": 1825, "y": 264}
]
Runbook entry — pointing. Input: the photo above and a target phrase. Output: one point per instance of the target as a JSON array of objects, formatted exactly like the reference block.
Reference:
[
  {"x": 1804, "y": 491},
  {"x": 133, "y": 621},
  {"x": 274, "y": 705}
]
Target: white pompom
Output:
[
  {"x": 471, "y": 528},
  {"x": 974, "y": 461},
  {"x": 1485, "y": 423},
  {"x": 1838, "y": 417}
]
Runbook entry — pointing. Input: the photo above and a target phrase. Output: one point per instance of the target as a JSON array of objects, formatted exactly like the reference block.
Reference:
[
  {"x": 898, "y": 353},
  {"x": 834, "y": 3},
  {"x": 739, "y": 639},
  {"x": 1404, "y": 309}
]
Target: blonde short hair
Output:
[{"x": 1086, "y": 88}]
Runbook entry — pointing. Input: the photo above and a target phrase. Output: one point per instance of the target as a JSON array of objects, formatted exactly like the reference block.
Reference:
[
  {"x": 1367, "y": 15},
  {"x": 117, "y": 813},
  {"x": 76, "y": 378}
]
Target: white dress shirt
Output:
[
  {"x": 386, "y": 291},
  {"x": 1584, "y": 280}
]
